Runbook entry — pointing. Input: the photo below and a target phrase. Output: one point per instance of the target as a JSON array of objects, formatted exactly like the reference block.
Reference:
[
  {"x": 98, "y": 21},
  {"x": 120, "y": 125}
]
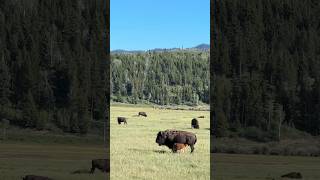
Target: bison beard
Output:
[
  {"x": 170, "y": 137},
  {"x": 34, "y": 177},
  {"x": 101, "y": 164}
]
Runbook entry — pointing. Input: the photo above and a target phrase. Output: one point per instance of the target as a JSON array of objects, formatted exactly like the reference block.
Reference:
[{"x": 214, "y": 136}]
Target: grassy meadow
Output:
[
  {"x": 55, "y": 161},
  {"x": 135, "y": 154},
  {"x": 263, "y": 167}
]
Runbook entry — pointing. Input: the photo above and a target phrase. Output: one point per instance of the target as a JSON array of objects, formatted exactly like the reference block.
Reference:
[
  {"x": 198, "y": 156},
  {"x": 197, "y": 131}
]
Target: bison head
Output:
[{"x": 161, "y": 138}]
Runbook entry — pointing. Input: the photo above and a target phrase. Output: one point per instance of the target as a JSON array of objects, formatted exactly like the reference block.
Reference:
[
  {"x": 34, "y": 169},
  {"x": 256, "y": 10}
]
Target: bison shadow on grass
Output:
[{"x": 170, "y": 138}]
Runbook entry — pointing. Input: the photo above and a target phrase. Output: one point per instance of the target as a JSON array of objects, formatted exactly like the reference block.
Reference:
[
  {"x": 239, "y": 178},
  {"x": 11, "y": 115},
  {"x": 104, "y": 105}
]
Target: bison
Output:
[
  {"x": 170, "y": 137},
  {"x": 142, "y": 114},
  {"x": 102, "y": 164},
  {"x": 122, "y": 119},
  {"x": 294, "y": 175},
  {"x": 194, "y": 123},
  {"x": 34, "y": 177},
  {"x": 178, "y": 147},
  {"x": 81, "y": 171}
]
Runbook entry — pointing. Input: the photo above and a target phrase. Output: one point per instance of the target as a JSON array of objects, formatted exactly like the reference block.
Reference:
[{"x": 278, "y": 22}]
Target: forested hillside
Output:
[
  {"x": 266, "y": 67},
  {"x": 53, "y": 63},
  {"x": 163, "y": 78}
]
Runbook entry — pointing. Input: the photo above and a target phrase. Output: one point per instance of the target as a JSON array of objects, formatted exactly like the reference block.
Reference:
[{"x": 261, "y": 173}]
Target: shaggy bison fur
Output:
[
  {"x": 170, "y": 137},
  {"x": 142, "y": 114},
  {"x": 101, "y": 164},
  {"x": 122, "y": 119},
  {"x": 195, "y": 123},
  {"x": 34, "y": 177},
  {"x": 178, "y": 147},
  {"x": 293, "y": 175}
]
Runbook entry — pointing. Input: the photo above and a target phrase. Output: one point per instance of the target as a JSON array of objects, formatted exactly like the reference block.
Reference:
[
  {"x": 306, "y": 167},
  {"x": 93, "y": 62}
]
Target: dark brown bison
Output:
[
  {"x": 178, "y": 147},
  {"x": 201, "y": 117},
  {"x": 122, "y": 119},
  {"x": 101, "y": 164},
  {"x": 293, "y": 175},
  {"x": 194, "y": 123},
  {"x": 170, "y": 137},
  {"x": 142, "y": 114},
  {"x": 81, "y": 171},
  {"x": 34, "y": 177}
]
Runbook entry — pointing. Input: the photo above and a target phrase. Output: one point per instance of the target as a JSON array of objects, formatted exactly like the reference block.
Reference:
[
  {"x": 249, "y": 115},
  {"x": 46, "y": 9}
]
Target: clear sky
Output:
[{"x": 149, "y": 24}]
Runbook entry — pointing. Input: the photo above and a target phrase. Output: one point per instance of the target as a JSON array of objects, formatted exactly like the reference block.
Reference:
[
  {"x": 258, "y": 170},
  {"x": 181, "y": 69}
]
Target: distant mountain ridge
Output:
[
  {"x": 200, "y": 47},
  {"x": 203, "y": 46}
]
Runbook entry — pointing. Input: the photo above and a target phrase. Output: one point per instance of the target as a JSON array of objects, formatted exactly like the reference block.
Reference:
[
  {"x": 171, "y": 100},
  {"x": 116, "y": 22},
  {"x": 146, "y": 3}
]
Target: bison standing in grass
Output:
[
  {"x": 101, "y": 164},
  {"x": 293, "y": 175},
  {"x": 142, "y": 114},
  {"x": 34, "y": 177},
  {"x": 171, "y": 137},
  {"x": 122, "y": 119},
  {"x": 195, "y": 123}
]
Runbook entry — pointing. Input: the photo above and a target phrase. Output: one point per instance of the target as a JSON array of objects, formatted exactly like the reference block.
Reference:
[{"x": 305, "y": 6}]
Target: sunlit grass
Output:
[{"x": 135, "y": 155}]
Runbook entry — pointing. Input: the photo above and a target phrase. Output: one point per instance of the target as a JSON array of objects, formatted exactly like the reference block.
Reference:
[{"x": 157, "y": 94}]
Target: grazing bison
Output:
[
  {"x": 101, "y": 164},
  {"x": 178, "y": 147},
  {"x": 142, "y": 114},
  {"x": 81, "y": 171},
  {"x": 194, "y": 123},
  {"x": 34, "y": 177},
  {"x": 293, "y": 175},
  {"x": 170, "y": 137},
  {"x": 201, "y": 117},
  {"x": 122, "y": 119}
]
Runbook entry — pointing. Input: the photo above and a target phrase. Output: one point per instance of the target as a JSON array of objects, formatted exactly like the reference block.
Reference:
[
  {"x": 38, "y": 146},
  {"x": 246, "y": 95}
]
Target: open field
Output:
[
  {"x": 55, "y": 161},
  {"x": 135, "y": 154},
  {"x": 262, "y": 167},
  {"x": 308, "y": 146}
]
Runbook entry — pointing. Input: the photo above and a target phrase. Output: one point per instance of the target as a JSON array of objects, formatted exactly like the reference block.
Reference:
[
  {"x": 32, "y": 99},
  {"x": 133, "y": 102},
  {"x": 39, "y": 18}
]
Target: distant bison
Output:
[
  {"x": 178, "y": 147},
  {"x": 101, "y": 164},
  {"x": 122, "y": 119},
  {"x": 142, "y": 114},
  {"x": 170, "y": 137},
  {"x": 34, "y": 177},
  {"x": 81, "y": 171},
  {"x": 293, "y": 175},
  {"x": 201, "y": 117},
  {"x": 194, "y": 123}
]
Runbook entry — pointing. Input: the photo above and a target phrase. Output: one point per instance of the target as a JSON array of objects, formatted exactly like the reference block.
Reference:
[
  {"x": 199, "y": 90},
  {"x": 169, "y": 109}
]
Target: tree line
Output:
[
  {"x": 53, "y": 63},
  {"x": 163, "y": 78},
  {"x": 266, "y": 66}
]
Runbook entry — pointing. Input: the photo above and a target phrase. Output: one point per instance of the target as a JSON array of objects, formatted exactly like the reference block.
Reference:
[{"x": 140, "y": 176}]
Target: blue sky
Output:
[{"x": 149, "y": 24}]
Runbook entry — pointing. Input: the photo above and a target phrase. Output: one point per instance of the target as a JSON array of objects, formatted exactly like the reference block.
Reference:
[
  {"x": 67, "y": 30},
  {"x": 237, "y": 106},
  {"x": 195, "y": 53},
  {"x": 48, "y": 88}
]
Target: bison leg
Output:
[
  {"x": 174, "y": 150},
  {"x": 92, "y": 170},
  {"x": 192, "y": 148}
]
